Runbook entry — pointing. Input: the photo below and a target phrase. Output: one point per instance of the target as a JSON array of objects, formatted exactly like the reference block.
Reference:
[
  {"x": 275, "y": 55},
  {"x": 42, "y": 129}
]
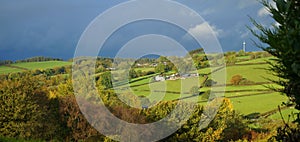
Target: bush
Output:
[
  {"x": 239, "y": 80},
  {"x": 210, "y": 83},
  {"x": 105, "y": 79},
  {"x": 236, "y": 79},
  {"x": 287, "y": 133},
  {"x": 230, "y": 60}
]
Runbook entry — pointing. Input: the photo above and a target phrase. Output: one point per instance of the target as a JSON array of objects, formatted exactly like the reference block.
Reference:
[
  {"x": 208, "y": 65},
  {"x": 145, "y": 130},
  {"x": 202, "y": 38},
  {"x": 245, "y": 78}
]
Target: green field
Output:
[
  {"x": 243, "y": 58},
  {"x": 42, "y": 65},
  {"x": 18, "y": 67},
  {"x": 6, "y": 70},
  {"x": 239, "y": 88},
  {"x": 256, "y": 73},
  {"x": 207, "y": 70},
  {"x": 258, "y": 104},
  {"x": 259, "y": 60},
  {"x": 286, "y": 114},
  {"x": 246, "y": 99},
  {"x": 144, "y": 69}
]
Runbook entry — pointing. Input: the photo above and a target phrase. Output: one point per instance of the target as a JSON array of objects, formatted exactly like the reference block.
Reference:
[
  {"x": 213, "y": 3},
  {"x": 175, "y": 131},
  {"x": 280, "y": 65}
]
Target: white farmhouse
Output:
[{"x": 159, "y": 78}]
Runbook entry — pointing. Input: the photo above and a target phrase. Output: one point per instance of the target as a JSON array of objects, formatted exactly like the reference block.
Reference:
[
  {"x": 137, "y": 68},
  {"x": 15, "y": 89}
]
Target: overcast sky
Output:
[{"x": 53, "y": 28}]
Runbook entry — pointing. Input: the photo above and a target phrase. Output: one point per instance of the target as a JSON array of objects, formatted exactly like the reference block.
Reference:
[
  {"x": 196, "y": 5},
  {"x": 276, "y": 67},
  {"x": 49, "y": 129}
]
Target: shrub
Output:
[
  {"x": 210, "y": 83},
  {"x": 230, "y": 60},
  {"x": 287, "y": 133},
  {"x": 239, "y": 80},
  {"x": 236, "y": 79},
  {"x": 105, "y": 79},
  {"x": 132, "y": 74}
]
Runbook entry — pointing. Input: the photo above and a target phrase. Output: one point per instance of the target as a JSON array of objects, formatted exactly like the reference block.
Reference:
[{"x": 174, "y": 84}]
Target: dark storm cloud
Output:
[{"x": 53, "y": 28}]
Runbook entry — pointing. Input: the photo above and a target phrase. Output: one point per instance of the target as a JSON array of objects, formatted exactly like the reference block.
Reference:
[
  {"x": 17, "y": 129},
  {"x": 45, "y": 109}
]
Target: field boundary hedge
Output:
[
  {"x": 271, "y": 112},
  {"x": 16, "y": 67}
]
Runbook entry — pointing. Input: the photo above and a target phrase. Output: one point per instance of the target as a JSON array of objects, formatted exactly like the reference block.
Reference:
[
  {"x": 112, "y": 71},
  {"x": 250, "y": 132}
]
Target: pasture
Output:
[
  {"x": 18, "y": 67},
  {"x": 6, "y": 70},
  {"x": 42, "y": 65},
  {"x": 246, "y": 99}
]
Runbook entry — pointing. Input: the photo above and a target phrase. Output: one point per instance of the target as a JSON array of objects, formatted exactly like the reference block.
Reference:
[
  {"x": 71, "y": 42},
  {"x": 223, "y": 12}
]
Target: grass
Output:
[
  {"x": 286, "y": 114},
  {"x": 257, "y": 104},
  {"x": 42, "y": 65},
  {"x": 258, "y": 98},
  {"x": 257, "y": 101},
  {"x": 32, "y": 66},
  {"x": 144, "y": 69},
  {"x": 259, "y": 60},
  {"x": 239, "y": 88},
  {"x": 6, "y": 70},
  {"x": 243, "y": 58},
  {"x": 238, "y": 94},
  {"x": 207, "y": 70},
  {"x": 256, "y": 73},
  {"x": 141, "y": 87}
]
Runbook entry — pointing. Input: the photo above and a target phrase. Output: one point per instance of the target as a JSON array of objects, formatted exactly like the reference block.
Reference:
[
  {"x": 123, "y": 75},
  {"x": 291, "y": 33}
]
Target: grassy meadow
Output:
[
  {"x": 18, "y": 67},
  {"x": 42, "y": 65},
  {"x": 252, "y": 100},
  {"x": 6, "y": 70},
  {"x": 246, "y": 99}
]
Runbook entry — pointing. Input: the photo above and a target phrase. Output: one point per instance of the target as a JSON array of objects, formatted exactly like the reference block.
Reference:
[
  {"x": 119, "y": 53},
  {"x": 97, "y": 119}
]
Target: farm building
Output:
[{"x": 159, "y": 78}]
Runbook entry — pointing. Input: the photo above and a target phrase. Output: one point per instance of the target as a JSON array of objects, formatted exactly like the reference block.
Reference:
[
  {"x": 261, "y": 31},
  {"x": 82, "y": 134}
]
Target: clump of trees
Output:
[
  {"x": 236, "y": 79},
  {"x": 239, "y": 80},
  {"x": 6, "y": 62},
  {"x": 226, "y": 126},
  {"x": 105, "y": 80},
  {"x": 138, "y": 73},
  {"x": 38, "y": 107},
  {"x": 52, "y": 72},
  {"x": 26, "y": 109},
  {"x": 163, "y": 65}
]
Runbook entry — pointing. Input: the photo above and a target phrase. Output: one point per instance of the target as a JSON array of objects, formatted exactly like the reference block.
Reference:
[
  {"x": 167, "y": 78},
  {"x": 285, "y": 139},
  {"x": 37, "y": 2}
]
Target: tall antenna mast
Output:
[{"x": 244, "y": 46}]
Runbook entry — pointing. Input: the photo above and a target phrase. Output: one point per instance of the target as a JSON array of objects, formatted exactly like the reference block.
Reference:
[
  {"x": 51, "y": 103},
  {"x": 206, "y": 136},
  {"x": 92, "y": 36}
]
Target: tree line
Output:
[
  {"x": 32, "y": 59},
  {"x": 39, "y": 59}
]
